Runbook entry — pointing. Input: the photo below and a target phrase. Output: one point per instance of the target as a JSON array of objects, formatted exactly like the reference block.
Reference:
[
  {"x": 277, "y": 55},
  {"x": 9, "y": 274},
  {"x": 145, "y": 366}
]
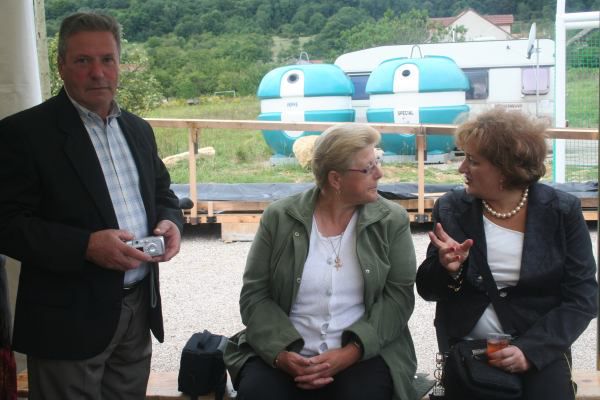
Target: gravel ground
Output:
[{"x": 201, "y": 286}]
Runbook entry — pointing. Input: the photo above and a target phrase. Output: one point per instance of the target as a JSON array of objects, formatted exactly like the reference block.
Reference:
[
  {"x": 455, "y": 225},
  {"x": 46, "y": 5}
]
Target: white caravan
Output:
[{"x": 500, "y": 72}]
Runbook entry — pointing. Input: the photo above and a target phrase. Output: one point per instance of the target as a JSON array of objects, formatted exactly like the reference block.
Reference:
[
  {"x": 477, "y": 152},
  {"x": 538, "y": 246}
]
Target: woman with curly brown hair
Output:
[{"x": 534, "y": 241}]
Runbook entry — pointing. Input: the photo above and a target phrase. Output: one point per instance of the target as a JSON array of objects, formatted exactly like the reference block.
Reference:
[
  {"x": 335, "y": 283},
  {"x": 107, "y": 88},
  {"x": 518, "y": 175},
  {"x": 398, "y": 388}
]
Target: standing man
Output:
[{"x": 79, "y": 177}]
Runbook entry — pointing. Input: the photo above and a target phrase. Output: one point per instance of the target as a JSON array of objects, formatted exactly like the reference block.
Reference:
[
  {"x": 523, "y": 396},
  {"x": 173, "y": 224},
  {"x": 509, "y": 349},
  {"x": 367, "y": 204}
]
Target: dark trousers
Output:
[
  {"x": 552, "y": 382},
  {"x": 120, "y": 372},
  {"x": 369, "y": 379}
]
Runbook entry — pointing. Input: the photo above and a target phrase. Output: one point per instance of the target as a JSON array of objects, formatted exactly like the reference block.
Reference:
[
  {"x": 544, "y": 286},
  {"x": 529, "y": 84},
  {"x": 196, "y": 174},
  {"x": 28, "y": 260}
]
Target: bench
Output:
[{"x": 163, "y": 386}]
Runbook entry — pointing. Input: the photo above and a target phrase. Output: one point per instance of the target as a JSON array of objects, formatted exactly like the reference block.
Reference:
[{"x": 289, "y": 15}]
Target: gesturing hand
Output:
[
  {"x": 107, "y": 249},
  {"x": 451, "y": 253}
]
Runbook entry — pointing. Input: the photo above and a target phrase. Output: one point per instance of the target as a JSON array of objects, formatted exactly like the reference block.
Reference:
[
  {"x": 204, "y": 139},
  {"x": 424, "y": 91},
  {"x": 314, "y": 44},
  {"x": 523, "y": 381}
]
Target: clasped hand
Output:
[
  {"x": 451, "y": 253},
  {"x": 318, "y": 371},
  {"x": 107, "y": 248}
]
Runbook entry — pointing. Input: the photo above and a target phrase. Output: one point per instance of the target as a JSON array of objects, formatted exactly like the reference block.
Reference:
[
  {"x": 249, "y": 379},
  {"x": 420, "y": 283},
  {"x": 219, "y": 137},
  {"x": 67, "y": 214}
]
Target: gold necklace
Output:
[
  {"x": 512, "y": 212},
  {"x": 336, "y": 253}
]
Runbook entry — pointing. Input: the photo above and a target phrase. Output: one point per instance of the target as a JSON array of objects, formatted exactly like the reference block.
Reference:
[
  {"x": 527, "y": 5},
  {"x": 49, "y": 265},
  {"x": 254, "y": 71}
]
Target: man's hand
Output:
[
  {"x": 172, "y": 237},
  {"x": 107, "y": 249}
]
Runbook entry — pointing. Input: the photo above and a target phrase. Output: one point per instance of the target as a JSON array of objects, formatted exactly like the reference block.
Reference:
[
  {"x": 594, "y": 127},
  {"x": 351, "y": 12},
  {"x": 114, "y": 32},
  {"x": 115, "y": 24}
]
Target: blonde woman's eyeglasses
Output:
[{"x": 369, "y": 168}]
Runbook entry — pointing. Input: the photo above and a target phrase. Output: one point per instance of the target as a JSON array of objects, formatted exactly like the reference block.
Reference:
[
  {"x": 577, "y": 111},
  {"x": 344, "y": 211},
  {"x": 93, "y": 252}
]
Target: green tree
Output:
[
  {"x": 187, "y": 27},
  {"x": 139, "y": 90},
  {"x": 523, "y": 12},
  {"x": 316, "y": 23},
  {"x": 409, "y": 27},
  {"x": 264, "y": 17},
  {"x": 55, "y": 80},
  {"x": 328, "y": 43},
  {"x": 212, "y": 21},
  {"x": 202, "y": 64}
]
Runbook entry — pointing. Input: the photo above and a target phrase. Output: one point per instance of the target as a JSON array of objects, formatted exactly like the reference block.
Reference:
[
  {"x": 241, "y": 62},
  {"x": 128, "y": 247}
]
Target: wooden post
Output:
[
  {"x": 192, "y": 145},
  {"x": 421, "y": 217}
]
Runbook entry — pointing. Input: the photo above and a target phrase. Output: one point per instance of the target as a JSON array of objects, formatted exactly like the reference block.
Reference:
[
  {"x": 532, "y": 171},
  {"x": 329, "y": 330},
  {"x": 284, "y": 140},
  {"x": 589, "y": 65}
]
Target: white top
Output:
[
  {"x": 329, "y": 299},
  {"x": 504, "y": 250}
]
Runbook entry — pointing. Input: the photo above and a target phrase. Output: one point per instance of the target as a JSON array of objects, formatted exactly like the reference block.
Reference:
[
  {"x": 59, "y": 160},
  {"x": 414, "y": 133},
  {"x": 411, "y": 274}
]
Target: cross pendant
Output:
[{"x": 338, "y": 263}]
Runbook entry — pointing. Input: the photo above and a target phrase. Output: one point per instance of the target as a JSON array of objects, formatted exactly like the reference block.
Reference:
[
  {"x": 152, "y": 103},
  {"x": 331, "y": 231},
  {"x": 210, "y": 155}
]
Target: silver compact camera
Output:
[{"x": 151, "y": 245}]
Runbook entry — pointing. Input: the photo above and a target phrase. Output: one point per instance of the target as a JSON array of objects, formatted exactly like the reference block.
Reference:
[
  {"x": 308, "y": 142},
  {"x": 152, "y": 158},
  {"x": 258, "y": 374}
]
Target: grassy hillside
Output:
[{"x": 287, "y": 46}]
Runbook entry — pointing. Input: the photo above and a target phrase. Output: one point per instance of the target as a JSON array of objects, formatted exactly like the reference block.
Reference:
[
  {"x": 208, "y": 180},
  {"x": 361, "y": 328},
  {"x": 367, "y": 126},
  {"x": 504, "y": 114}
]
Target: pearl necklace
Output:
[{"x": 511, "y": 212}]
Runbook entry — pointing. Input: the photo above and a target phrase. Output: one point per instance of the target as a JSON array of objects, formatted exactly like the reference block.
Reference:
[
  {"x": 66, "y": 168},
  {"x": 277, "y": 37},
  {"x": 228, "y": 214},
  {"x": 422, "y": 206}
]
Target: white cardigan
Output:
[{"x": 329, "y": 299}]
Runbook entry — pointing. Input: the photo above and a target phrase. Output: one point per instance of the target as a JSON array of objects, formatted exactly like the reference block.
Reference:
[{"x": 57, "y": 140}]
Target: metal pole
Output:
[
  {"x": 537, "y": 77},
  {"x": 560, "y": 91}
]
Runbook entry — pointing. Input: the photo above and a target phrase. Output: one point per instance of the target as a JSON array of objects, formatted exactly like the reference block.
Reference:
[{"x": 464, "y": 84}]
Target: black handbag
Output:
[
  {"x": 467, "y": 374},
  {"x": 202, "y": 369}
]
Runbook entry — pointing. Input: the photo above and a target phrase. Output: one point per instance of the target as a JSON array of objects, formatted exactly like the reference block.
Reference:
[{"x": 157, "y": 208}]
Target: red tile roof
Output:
[
  {"x": 501, "y": 19},
  {"x": 496, "y": 19}
]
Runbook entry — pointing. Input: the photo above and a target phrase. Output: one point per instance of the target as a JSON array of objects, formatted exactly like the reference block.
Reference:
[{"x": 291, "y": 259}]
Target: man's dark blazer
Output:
[
  {"x": 53, "y": 196},
  {"x": 557, "y": 293}
]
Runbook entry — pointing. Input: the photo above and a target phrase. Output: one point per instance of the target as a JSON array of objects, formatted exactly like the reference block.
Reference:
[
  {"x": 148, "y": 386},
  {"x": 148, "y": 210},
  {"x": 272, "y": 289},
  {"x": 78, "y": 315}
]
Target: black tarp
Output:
[{"x": 395, "y": 191}]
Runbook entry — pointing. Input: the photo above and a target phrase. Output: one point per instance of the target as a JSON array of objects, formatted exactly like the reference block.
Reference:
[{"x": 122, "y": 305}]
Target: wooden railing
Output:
[{"x": 195, "y": 126}]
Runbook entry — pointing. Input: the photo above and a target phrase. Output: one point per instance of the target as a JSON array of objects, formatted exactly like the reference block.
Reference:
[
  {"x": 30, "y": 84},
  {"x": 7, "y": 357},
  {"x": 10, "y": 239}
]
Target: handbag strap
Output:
[{"x": 499, "y": 303}]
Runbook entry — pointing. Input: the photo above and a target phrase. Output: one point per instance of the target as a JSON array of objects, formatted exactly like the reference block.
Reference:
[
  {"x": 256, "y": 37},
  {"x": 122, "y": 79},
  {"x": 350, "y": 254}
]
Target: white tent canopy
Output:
[{"x": 19, "y": 72}]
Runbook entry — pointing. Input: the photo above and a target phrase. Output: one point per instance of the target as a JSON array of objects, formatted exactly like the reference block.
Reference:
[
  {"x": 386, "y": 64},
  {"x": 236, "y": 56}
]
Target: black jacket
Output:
[
  {"x": 557, "y": 293},
  {"x": 53, "y": 197}
]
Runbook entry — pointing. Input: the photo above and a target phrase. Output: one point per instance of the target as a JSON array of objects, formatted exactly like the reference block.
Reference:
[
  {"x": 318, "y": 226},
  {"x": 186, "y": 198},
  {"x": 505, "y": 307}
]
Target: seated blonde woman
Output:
[{"x": 328, "y": 286}]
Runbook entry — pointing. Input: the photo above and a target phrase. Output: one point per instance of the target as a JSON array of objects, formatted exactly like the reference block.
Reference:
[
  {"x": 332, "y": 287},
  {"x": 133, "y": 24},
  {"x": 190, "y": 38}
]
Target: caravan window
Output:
[
  {"x": 360, "y": 84},
  {"x": 479, "y": 83},
  {"x": 528, "y": 80}
]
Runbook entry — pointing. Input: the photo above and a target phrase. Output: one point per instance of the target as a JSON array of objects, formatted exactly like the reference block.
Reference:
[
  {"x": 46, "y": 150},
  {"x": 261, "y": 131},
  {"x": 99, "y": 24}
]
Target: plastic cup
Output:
[{"x": 497, "y": 341}]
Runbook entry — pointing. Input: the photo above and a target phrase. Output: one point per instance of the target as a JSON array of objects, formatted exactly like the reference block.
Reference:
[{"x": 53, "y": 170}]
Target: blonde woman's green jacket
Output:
[{"x": 273, "y": 276}]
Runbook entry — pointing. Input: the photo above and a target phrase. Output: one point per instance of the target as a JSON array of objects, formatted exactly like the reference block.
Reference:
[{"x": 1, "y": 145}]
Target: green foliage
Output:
[
  {"x": 55, "y": 80},
  {"x": 582, "y": 97},
  {"x": 206, "y": 63},
  {"x": 407, "y": 28},
  {"x": 139, "y": 90},
  {"x": 142, "y": 19},
  {"x": 327, "y": 43},
  {"x": 585, "y": 53},
  {"x": 287, "y": 51},
  {"x": 197, "y": 47},
  {"x": 440, "y": 33}
]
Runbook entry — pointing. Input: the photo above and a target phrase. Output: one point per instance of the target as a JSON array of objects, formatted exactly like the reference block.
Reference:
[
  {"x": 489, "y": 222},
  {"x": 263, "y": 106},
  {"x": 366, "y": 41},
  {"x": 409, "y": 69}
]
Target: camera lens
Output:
[{"x": 152, "y": 249}]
